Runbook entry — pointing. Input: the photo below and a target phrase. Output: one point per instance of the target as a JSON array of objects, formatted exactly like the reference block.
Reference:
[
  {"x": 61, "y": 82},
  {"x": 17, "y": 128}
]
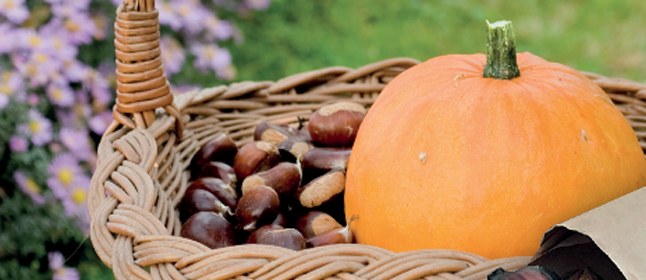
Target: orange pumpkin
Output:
[{"x": 447, "y": 158}]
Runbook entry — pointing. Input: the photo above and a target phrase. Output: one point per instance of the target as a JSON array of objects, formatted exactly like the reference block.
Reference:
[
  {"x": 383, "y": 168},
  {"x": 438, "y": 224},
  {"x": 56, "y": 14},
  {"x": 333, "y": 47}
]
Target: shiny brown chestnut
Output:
[
  {"x": 286, "y": 237},
  {"x": 220, "y": 148},
  {"x": 293, "y": 150},
  {"x": 318, "y": 161},
  {"x": 336, "y": 236},
  {"x": 336, "y": 125},
  {"x": 271, "y": 133},
  {"x": 199, "y": 200},
  {"x": 315, "y": 222},
  {"x": 254, "y": 157},
  {"x": 210, "y": 229},
  {"x": 257, "y": 207},
  {"x": 224, "y": 192},
  {"x": 284, "y": 178},
  {"x": 220, "y": 170}
]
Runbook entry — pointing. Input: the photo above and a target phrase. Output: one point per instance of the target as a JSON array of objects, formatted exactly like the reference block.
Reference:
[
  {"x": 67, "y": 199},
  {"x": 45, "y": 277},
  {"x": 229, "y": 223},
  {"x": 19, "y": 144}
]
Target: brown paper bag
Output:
[{"x": 609, "y": 241}]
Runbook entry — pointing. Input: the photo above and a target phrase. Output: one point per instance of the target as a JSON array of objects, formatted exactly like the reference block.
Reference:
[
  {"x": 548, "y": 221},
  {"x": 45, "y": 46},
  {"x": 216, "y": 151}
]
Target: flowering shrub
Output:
[{"x": 56, "y": 95}]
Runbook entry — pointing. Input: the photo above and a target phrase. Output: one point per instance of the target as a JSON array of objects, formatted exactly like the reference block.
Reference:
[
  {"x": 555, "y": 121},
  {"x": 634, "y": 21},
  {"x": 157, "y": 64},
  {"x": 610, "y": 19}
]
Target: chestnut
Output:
[
  {"x": 271, "y": 133},
  {"x": 334, "y": 236},
  {"x": 254, "y": 157},
  {"x": 322, "y": 190},
  {"x": 220, "y": 148},
  {"x": 284, "y": 178},
  {"x": 336, "y": 125},
  {"x": 281, "y": 219},
  {"x": 315, "y": 222},
  {"x": 318, "y": 161},
  {"x": 199, "y": 200},
  {"x": 224, "y": 192},
  {"x": 284, "y": 237},
  {"x": 220, "y": 170},
  {"x": 253, "y": 237},
  {"x": 210, "y": 229},
  {"x": 293, "y": 150},
  {"x": 257, "y": 207}
]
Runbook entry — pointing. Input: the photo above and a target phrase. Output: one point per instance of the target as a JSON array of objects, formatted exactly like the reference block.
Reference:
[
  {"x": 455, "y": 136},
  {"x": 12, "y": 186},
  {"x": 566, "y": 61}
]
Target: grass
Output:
[{"x": 602, "y": 36}]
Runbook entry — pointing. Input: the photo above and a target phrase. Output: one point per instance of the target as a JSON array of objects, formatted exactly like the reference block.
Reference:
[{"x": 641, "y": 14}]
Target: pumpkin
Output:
[{"x": 451, "y": 158}]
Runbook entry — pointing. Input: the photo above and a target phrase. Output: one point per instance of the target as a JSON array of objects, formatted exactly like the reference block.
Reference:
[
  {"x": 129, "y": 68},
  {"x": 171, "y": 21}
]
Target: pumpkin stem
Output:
[{"x": 501, "y": 51}]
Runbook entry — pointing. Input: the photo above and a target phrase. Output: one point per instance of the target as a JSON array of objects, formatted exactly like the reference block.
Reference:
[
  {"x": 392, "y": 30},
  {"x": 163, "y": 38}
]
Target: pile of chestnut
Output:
[{"x": 284, "y": 188}]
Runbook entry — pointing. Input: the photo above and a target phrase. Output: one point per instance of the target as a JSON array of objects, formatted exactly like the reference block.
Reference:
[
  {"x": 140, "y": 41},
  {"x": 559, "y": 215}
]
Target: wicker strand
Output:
[{"x": 142, "y": 86}]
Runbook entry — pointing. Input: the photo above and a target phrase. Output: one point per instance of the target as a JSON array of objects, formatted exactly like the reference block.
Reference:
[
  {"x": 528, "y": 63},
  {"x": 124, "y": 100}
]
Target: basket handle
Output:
[{"x": 142, "y": 86}]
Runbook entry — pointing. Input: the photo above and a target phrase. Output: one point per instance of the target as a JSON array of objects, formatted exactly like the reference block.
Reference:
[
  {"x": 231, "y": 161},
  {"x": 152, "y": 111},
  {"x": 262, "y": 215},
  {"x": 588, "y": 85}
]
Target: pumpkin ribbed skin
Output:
[{"x": 448, "y": 159}]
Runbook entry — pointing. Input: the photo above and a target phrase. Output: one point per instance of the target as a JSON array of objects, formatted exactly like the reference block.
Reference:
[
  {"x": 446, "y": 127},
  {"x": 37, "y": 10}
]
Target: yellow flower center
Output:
[
  {"x": 34, "y": 41},
  {"x": 5, "y": 89},
  {"x": 184, "y": 11},
  {"x": 34, "y": 126},
  {"x": 41, "y": 57},
  {"x": 79, "y": 196},
  {"x": 32, "y": 69},
  {"x": 58, "y": 44},
  {"x": 65, "y": 176},
  {"x": 57, "y": 94},
  {"x": 32, "y": 186},
  {"x": 72, "y": 26},
  {"x": 6, "y": 75},
  {"x": 9, "y": 4},
  {"x": 209, "y": 52}
]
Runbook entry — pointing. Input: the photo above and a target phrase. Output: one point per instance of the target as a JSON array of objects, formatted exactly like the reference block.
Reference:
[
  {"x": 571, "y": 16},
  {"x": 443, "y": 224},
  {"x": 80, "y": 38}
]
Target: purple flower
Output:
[
  {"x": 173, "y": 55},
  {"x": 39, "y": 128},
  {"x": 56, "y": 263},
  {"x": 227, "y": 73},
  {"x": 31, "y": 40},
  {"x": 78, "y": 142},
  {"x": 60, "y": 94},
  {"x": 74, "y": 70},
  {"x": 63, "y": 171},
  {"x": 11, "y": 84},
  {"x": 14, "y": 10},
  {"x": 257, "y": 4},
  {"x": 4, "y": 101},
  {"x": 41, "y": 67},
  {"x": 78, "y": 27},
  {"x": 66, "y": 7},
  {"x": 33, "y": 99},
  {"x": 29, "y": 187},
  {"x": 167, "y": 15},
  {"x": 210, "y": 57},
  {"x": 99, "y": 123},
  {"x": 217, "y": 29},
  {"x": 75, "y": 201},
  {"x": 98, "y": 86},
  {"x": 192, "y": 15},
  {"x": 18, "y": 144},
  {"x": 7, "y": 37}
]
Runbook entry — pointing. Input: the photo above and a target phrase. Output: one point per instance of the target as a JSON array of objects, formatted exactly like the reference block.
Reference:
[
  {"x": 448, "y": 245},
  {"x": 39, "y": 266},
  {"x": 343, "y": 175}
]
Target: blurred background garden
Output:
[{"x": 57, "y": 81}]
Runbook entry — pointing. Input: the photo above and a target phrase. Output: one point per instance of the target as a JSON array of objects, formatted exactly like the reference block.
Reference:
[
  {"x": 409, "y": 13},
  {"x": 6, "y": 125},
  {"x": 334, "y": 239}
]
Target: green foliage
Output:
[
  {"x": 28, "y": 232},
  {"x": 9, "y": 117},
  {"x": 295, "y": 36}
]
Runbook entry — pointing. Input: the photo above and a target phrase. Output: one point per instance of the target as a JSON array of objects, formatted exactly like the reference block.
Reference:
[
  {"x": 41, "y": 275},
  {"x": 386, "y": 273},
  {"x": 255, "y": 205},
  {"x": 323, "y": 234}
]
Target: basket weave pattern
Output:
[{"x": 143, "y": 158}]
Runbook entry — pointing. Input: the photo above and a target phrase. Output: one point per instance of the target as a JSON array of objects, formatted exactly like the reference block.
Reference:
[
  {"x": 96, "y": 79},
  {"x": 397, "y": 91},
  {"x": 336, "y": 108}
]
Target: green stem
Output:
[{"x": 501, "y": 51}]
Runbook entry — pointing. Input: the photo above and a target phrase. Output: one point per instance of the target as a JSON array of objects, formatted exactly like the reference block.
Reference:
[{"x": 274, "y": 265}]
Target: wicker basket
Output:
[{"x": 143, "y": 157}]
